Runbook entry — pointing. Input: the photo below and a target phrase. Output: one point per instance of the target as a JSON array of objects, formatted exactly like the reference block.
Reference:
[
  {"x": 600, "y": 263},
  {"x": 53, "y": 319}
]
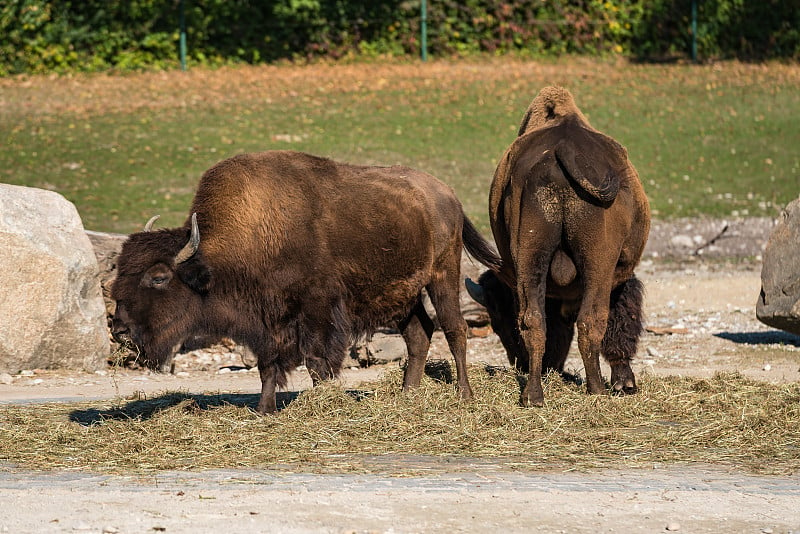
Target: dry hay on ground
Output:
[{"x": 726, "y": 420}]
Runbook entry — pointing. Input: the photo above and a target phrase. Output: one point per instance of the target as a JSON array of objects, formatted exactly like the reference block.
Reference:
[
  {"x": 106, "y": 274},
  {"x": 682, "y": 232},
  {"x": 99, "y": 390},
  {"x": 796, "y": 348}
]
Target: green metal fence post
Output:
[
  {"x": 183, "y": 36},
  {"x": 423, "y": 7},
  {"x": 694, "y": 30}
]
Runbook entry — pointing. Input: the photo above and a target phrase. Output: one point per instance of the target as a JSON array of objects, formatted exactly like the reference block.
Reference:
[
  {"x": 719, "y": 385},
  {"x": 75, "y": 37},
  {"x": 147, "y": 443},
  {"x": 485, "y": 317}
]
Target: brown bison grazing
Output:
[
  {"x": 294, "y": 256},
  {"x": 570, "y": 219}
]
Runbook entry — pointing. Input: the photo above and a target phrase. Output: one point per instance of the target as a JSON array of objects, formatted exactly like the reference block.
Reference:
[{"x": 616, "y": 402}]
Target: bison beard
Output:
[
  {"x": 296, "y": 256},
  {"x": 570, "y": 219}
]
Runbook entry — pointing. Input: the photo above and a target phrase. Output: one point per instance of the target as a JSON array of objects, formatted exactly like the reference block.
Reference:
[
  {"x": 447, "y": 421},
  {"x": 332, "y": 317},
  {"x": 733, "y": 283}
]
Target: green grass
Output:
[{"x": 715, "y": 140}]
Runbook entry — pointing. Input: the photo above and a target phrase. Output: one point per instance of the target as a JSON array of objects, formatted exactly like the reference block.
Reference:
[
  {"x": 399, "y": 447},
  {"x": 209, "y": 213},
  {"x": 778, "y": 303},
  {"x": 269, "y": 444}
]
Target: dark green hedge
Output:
[{"x": 63, "y": 35}]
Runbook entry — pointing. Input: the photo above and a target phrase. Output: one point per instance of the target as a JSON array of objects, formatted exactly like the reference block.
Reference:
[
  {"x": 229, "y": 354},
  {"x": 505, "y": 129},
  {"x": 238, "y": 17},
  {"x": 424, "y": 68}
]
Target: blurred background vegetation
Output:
[
  {"x": 89, "y": 35},
  {"x": 714, "y": 138}
]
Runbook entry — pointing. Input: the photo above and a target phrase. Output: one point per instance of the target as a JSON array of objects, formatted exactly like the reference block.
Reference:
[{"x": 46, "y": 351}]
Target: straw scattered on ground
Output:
[{"x": 727, "y": 420}]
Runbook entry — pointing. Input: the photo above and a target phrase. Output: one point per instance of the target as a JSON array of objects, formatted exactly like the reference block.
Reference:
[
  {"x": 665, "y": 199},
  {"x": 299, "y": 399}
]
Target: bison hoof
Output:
[
  {"x": 627, "y": 388},
  {"x": 267, "y": 408},
  {"x": 532, "y": 395},
  {"x": 623, "y": 382},
  {"x": 531, "y": 403},
  {"x": 529, "y": 400}
]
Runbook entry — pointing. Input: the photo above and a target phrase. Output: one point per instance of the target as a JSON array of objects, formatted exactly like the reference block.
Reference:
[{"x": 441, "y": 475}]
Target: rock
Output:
[
  {"x": 6, "y": 378},
  {"x": 652, "y": 351},
  {"x": 682, "y": 241},
  {"x": 383, "y": 347},
  {"x": 673, "y": 527},
  {"x": 51, "y": 310},
  {"x": 106, "y": 249},
  {"x": 687, "y": 239},
  {"x": 249, "y": 359},
  {"x": 778, "y": 303}
]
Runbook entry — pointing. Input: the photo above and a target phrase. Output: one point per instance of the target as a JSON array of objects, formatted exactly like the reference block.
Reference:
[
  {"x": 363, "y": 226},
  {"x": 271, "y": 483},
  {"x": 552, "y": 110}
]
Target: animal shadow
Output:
[
  {"x": 145, "y": 409},
  {"x": 439, "y": 370},
  {"x": 769, "y": 337}
]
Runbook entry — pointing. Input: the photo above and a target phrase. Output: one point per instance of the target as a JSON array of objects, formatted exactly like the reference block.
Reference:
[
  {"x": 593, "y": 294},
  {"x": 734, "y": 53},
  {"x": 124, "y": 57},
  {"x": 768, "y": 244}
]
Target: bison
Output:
[
  {"x": 570, "y": 219},
  {"x": 295, "y": 256}
]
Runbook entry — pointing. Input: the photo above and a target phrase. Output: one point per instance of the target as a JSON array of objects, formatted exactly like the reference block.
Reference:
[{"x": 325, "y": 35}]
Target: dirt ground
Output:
[{"x": 700, "y": 319}]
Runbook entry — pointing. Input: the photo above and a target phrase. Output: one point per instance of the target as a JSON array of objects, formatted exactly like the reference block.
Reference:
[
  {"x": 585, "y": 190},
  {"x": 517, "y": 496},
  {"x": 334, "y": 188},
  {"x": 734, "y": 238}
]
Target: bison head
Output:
[{"x": 160, "y": 283}]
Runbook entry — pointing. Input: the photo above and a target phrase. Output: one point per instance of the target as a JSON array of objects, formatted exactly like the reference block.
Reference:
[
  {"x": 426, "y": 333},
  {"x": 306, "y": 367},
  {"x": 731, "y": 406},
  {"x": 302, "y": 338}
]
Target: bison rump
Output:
[{"x": 570, "y": 219}]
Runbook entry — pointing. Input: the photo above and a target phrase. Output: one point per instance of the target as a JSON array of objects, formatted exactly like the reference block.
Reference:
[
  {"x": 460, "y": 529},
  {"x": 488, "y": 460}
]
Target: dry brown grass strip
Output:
[{"x": 726, "y": 420}]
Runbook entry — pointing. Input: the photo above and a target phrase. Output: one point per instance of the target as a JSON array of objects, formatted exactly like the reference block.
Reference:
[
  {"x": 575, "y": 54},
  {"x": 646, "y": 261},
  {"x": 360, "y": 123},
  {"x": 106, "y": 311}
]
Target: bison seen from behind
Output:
[
  {"x": 295, "y": 256},
  {"x": 570, "y": 219}
]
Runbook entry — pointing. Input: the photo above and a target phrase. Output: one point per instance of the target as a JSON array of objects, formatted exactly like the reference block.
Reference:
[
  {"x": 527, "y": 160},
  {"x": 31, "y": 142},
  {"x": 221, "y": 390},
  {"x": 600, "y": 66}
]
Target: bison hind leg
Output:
[
  {"x": 445, "y": 297},
  {"x": 621, "y": 340},
  {"x": 416, "y": 330}
]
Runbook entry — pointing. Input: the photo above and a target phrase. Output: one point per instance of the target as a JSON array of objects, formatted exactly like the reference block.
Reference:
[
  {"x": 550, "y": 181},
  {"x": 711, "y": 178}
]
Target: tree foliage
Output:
[{"x": 64, "y": 35}]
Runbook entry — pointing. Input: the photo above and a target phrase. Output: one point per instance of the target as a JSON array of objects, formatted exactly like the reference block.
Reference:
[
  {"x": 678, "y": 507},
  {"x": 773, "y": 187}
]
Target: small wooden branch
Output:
[{"x": 711, "y": 241}]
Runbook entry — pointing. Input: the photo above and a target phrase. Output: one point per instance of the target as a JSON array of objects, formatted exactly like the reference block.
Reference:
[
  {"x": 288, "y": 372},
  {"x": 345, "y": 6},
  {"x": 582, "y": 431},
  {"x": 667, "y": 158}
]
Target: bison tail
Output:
[
  {"x": 601, "y": 184},
  {"x": 625, "y": 321},
  {"x": 478, "y": 247}
]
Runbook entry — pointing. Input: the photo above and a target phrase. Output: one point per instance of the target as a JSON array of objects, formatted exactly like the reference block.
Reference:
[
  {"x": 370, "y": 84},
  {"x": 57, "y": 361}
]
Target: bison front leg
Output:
[
  {"x": 622, "y": 334},
  {"x": 267, "y": 403}
]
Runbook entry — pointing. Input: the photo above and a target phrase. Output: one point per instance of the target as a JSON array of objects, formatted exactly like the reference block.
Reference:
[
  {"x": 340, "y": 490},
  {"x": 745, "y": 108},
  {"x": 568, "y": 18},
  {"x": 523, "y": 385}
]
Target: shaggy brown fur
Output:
[
  {"x": 298, "y": 256},
  {"x": 570, "y": 219}
]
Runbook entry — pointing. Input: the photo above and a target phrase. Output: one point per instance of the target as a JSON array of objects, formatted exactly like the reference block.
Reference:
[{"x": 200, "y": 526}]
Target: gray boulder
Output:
[
  {"x": 51, "y": 310},
  {"x": 106, "y": 249},
  {"x": 779, "y": 301}
]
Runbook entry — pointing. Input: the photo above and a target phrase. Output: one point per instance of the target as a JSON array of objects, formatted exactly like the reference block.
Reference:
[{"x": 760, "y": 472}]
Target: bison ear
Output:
[
  {"x": 196, "y": 275},
  {"x": 157, "y": 277}
]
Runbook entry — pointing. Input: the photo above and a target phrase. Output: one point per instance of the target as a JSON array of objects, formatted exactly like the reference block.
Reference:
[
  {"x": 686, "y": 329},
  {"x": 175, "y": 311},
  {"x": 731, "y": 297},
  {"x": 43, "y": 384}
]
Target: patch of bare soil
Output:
[
  {"x": 470, "y": 497},
  {"x": 700, "y": 320}
]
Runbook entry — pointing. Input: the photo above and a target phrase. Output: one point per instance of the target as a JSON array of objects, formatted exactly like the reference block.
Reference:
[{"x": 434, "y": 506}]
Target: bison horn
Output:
[
  {"x": 149, "y": 226},
  {"x": 475, "y": 291},
  {"x": 190, "y": 249}
]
